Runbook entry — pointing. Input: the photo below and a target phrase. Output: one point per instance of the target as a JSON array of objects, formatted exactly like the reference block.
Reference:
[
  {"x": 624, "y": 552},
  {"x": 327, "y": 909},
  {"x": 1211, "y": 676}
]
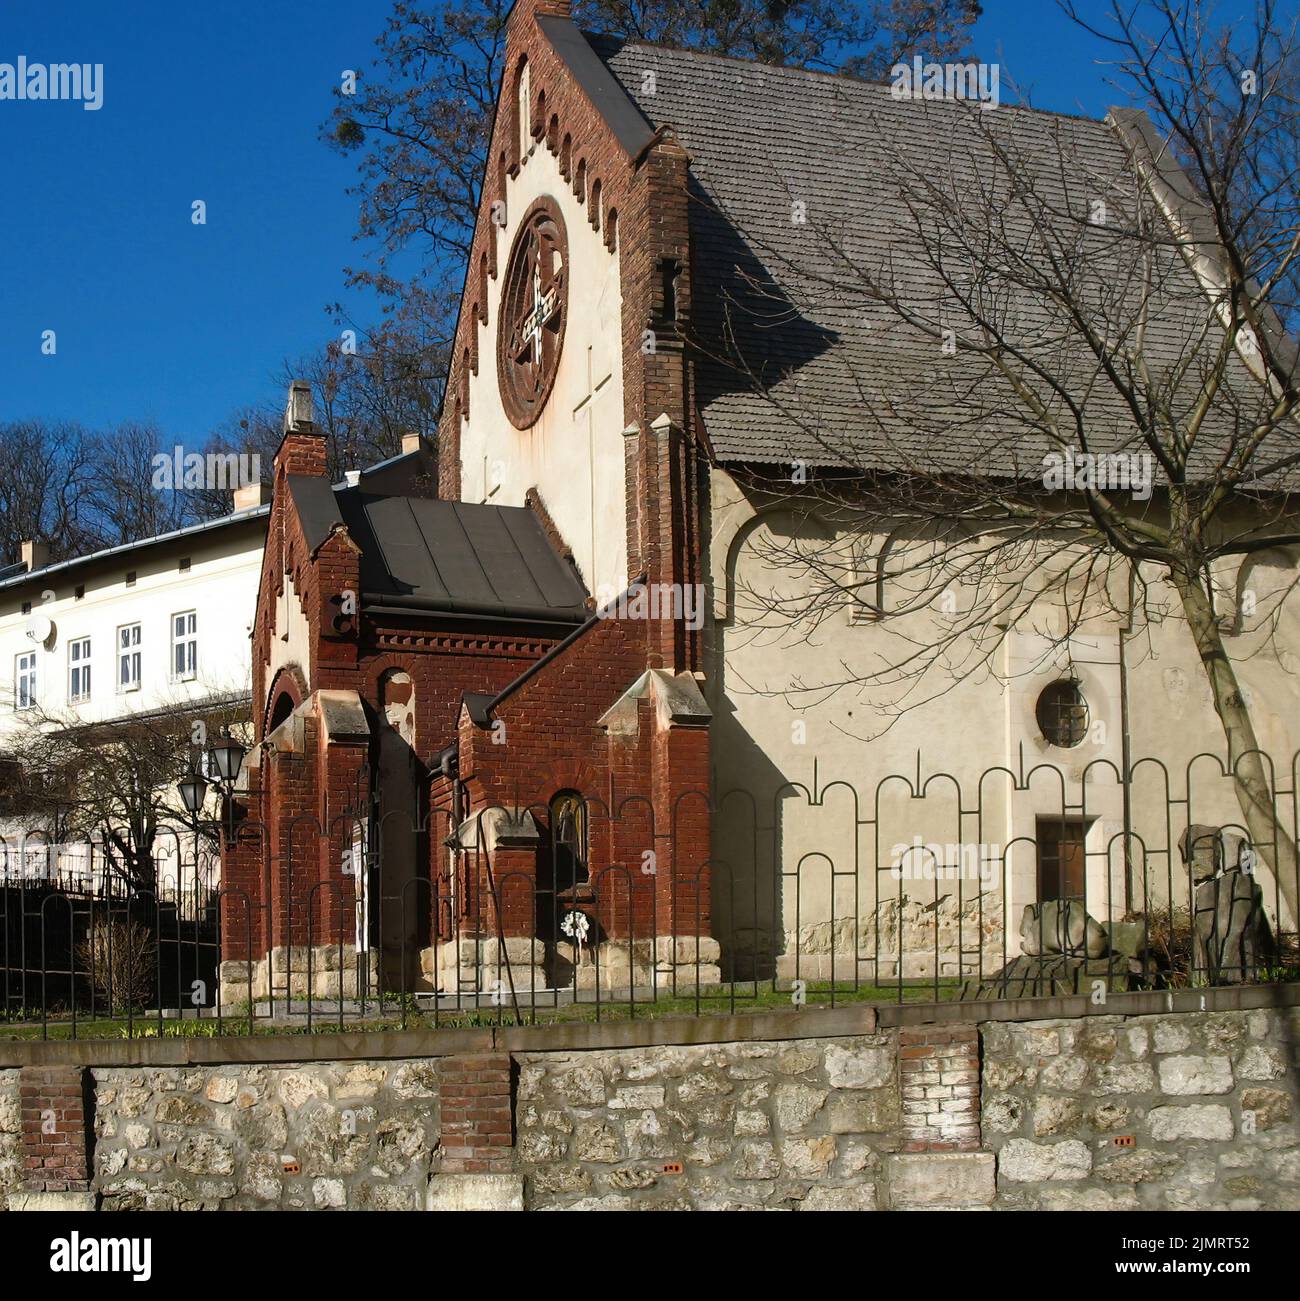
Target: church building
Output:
[{"x": 514, "y": 725}]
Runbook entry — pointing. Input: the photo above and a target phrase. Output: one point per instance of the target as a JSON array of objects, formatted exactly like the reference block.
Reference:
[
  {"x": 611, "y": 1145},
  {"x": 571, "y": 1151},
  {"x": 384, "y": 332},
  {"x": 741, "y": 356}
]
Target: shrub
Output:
[{"x": 120, "y": 960}]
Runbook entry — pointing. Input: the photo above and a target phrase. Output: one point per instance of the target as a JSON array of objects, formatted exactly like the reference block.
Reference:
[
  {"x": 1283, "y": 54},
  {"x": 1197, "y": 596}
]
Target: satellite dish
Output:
[{"x": 40, "y": 628}]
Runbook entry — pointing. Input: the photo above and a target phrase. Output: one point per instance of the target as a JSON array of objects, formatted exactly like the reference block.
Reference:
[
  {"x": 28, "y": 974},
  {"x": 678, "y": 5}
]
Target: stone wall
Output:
[
  {"x": 794, "y": 1124},
  {"x": 360, "y": 1135},
  {"x": 1186, "y": 1111},
  {"x": 1166, "y": 1110}
]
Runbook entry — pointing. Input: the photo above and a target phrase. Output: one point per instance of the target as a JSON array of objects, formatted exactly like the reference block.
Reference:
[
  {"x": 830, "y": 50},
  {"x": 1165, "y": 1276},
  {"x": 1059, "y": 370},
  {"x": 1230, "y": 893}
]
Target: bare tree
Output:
[
  {"x": 114, "y": 781},
  {"x": 420, "y": 120},
  {"x": 1075, "y": 391},
  {"x": 45, "y": 474}
]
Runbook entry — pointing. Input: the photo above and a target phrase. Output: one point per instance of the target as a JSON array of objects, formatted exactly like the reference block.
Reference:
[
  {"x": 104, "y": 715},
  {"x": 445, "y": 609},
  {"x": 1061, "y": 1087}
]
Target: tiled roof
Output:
[{"x": 806, "y": 364}]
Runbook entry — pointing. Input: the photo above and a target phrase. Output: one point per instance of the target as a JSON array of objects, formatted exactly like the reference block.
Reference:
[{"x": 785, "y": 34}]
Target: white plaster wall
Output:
[
  {"x": 788, "y": 750},
  {"x": 577, "y": 469},
  {"x": 220, "y": 586},
  {"x": 291, "y": 643}
]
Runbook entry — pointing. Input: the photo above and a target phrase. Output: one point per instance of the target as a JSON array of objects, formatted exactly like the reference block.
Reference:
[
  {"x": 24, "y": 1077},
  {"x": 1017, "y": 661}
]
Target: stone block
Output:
[
  {"x": 523, "y": 950},
  {"x": 285, "y": 958},
  {"x": 65, "y": 1202},
  {"x": 1261, "y": 1063},
  {"x": 941, "y": 1180},
  {"x": 876, "y": 1112},
  {"x": 1022, "y": 1161},
  {"x": 475, "y": 1192},
  {"x": 1126, "y": 1079},
  {"x": 688, "y": 949},
  {"x": 1171, "y": 1036},
  {"x": 1195, "y": 1075},
  {"x": 1174, "y": 1124},
  {"x": 866, "y": 1067},
  {"x": 861, "y": 1197}
]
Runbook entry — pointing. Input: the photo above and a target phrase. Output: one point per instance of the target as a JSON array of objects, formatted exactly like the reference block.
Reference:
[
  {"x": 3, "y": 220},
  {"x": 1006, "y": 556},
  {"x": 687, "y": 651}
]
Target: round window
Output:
[
  {"x": 1062, "y": 713},
  {"x": 533, "y": 312}
]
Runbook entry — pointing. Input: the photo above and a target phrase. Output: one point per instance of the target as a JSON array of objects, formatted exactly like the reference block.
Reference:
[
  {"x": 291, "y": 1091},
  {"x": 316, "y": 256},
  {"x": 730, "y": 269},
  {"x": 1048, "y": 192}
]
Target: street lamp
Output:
[
  {"x": 193, "y": 791},
  {"x": 227, "y": 759}
]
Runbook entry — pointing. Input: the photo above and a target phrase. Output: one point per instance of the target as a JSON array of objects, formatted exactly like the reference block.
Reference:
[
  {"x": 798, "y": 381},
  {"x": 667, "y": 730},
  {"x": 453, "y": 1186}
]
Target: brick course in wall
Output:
[
  {"x": 477, "y": 1114},
  {"x": 54, "y": 1132},
  {"x": 939, "y": 1079}
]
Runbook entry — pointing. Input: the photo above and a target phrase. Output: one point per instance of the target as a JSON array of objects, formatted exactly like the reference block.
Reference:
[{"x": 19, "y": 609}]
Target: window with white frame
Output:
[
  {"x": 128, "y": 657},
  {"x": 78, "y": 669},
  {"x": 25, "y": 680},
  {"x": 185, "y": 646}
]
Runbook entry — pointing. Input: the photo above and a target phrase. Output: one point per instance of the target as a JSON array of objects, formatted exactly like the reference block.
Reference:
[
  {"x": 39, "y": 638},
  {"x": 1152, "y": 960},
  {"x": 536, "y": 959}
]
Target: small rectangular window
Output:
[
  {"x": 78, "y": 670},
  {"x": 79, "y": 593},
  {"x": 27, "y": 607},
  {"x": 130, "y": 578},
  {"x": 25, "y": 680},
  {"x": 128, "y": 657},
  {"x": 185, "y": 646},
  {"x": 1061, "y": 858},
  {"x": 185, "y": 565}
]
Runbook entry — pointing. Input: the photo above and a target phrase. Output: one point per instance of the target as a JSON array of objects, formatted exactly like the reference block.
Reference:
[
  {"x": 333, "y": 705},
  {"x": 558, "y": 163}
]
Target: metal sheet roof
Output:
[{"x": 419, "y": 553}]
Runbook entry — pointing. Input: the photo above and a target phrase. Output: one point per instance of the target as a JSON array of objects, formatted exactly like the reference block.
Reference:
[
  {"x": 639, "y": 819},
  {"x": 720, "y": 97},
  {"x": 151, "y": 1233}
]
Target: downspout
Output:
[{"x": 1126, "y": 747}]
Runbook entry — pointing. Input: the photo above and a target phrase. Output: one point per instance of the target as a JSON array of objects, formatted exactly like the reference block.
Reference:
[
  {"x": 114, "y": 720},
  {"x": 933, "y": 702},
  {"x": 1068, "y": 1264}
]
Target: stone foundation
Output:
[
  {"x": 470, "y": 966},
  {"x": 325, "y": 972},
  {"x": 489, "y": 968},
  {"x": 908, "y": 938},
  {"x": 666, "y": 963}
]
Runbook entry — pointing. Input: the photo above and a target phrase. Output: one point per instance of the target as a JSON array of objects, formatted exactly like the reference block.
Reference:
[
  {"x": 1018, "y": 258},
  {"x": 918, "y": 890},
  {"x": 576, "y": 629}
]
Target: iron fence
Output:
[{"x": 919, "y": 886}]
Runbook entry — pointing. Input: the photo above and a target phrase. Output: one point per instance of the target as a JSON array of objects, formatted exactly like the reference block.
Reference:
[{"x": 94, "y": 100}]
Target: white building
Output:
[{"x": 151, "y": 625}]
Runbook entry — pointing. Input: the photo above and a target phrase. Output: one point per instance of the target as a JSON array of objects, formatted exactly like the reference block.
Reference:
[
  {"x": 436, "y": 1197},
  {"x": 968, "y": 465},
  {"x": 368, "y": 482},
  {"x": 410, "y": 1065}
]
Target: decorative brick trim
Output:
[
  {"x": 477, "y": 1113},
  {"x": 939, "y": 1079},
  {"x": 55, "y": 1142}
]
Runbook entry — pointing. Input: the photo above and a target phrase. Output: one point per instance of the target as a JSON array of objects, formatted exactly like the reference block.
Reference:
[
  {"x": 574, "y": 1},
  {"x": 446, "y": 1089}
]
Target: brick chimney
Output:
[
  {"x": 35, "y": 555},
  {"x": 302, "y": 449},
  {"x": 411, "y": 442}
]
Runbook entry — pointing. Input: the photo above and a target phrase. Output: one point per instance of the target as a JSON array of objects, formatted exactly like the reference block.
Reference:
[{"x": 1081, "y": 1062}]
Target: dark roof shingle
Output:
[{"x": 799, "y": 361}]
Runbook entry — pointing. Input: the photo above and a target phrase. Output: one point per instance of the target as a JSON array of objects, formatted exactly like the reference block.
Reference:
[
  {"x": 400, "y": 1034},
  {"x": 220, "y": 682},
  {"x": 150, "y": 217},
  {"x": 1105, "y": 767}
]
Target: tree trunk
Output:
[{"x": 1269, "y": 838}]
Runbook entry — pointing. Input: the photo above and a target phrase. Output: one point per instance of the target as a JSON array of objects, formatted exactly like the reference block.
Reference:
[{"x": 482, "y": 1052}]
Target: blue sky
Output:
[{"x": 157, "y": 318}]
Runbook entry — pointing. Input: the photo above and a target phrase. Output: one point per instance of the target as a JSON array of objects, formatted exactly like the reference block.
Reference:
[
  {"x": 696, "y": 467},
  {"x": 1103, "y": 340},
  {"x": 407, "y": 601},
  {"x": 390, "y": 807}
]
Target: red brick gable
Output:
[
  {"x": 552, "y": 696},
  {"x": 643, "y": 210}
]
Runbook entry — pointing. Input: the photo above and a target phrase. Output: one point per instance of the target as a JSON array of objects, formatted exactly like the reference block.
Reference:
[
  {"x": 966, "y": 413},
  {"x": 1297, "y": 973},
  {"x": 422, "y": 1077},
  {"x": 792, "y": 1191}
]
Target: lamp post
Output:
[
  {"x": 193, "y": 792},
  {"x": 227, "y": 757}
]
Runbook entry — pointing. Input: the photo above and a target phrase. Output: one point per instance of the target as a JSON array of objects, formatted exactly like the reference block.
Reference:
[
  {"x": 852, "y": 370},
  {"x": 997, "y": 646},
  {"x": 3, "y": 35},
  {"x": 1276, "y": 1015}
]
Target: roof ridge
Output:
[{"x": 597, "y": 39}]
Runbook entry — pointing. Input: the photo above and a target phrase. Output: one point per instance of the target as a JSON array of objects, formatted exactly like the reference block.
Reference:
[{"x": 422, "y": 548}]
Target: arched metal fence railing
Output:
[{"x": 919, "y": 885}]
